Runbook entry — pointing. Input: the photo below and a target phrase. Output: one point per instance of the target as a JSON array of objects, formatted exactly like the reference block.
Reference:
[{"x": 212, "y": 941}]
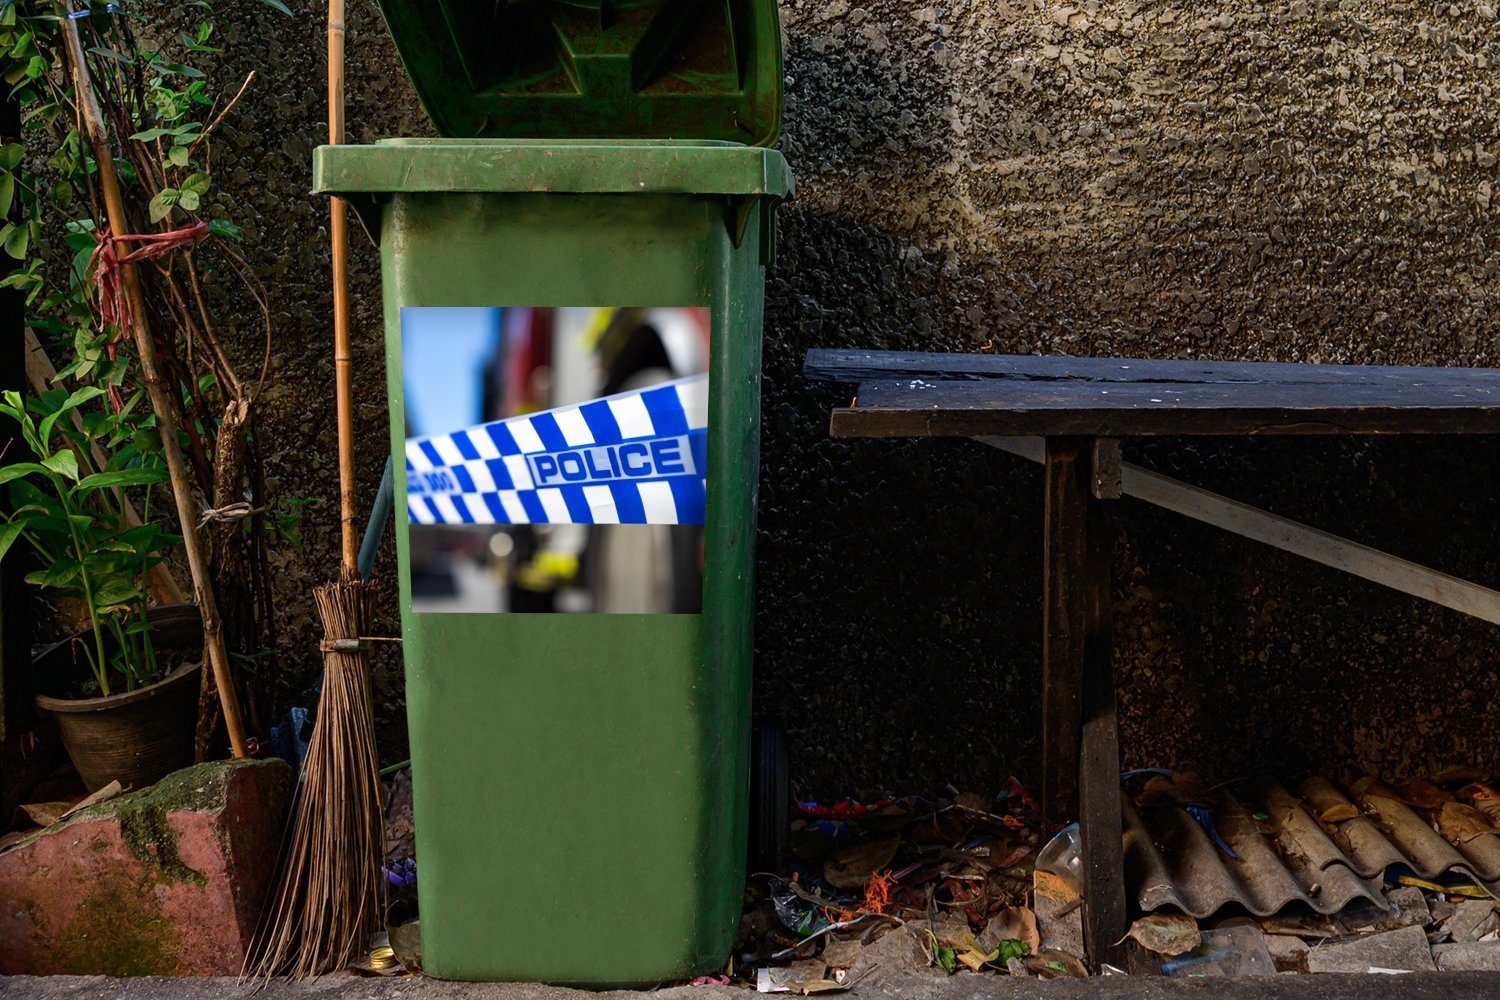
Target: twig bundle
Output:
[
  {"x": 328, "y": 892},
  {"x": 328, "y": 896}
]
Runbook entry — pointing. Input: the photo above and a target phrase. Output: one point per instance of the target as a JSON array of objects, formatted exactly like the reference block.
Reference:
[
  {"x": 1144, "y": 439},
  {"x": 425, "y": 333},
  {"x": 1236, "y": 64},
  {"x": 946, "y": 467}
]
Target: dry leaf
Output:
[
  {"x": 1460, "y": 824},
  {"x": 1423, "y": 794},
  {"x": 45, "y": 813},
  {"x": 1014, "y": 923},
  {"x": 1484, "y": 798},
  {"x": 1327, "y": 803},
  {"x": 1458, "y": 774},
  {"x": 1166, "y": 933},
  {"x": 104, "y": 794},
  {"x": 851, "y": 867},
  {"x": 1339, "y": 812},
  {"x": 1054, "y": 964}
]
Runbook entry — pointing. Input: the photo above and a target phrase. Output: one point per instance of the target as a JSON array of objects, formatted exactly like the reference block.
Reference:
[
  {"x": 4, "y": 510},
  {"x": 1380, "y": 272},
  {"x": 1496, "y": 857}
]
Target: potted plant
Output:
[{"x": 121, "y": 690}]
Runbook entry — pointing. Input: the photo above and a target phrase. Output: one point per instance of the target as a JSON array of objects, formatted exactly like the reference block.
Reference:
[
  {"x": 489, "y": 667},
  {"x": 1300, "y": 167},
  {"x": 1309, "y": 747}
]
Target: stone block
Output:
[
  {"x": 168, "y": 881},
  {"x": 1403, "y": 950}
]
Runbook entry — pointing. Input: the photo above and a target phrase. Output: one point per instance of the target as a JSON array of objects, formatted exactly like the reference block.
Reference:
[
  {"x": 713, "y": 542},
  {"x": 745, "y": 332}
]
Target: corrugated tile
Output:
[{"x": 1290, "y": 857}]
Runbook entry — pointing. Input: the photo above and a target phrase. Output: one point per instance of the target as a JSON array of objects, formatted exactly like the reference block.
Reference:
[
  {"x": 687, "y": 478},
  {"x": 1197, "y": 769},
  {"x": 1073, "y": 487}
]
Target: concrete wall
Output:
[{"x": 1298, "y": 181}]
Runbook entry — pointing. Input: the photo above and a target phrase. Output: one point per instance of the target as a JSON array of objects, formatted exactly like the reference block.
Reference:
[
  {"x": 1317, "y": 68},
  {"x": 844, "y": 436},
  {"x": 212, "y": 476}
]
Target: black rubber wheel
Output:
[{"x": 770, "y": 798}]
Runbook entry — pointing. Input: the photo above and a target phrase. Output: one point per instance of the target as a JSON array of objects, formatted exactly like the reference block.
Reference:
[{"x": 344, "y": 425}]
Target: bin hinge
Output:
[{"x": 740, "y": 211}]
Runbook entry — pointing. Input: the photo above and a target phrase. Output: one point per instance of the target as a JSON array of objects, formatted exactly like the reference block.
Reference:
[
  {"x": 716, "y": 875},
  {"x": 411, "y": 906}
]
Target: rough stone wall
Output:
[
  {"x": 1304, "y": 181},
  {"x": 1300, "y": 181}
]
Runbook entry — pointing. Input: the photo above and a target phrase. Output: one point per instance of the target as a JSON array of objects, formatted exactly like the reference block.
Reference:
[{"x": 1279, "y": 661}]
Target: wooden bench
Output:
[{"x": 1069, "y": 414}]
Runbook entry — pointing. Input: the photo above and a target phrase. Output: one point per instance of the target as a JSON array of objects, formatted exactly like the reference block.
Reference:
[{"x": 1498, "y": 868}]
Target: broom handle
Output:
[
  {"x": 114, "y": 204},
  {"x": 342, "y": 358}
]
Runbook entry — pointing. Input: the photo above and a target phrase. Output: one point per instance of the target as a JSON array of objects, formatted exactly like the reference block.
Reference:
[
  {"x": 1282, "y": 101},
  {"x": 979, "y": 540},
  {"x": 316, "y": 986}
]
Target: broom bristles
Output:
[{"x": 327, "y": 898}]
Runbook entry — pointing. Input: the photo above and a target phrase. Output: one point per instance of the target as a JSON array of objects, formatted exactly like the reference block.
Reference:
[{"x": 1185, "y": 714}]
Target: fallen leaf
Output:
[
  {"x": 45, "y": 813},
  {"x": 841, "y": 954},
  {"x": 104, "y": 794},
  {"x": 1326, "y": 802},
  {"x": 851, "y": 867},
  {"x": 1460, "y": 824},
  {"x": 1017, "y": 967},
  {"x": 1458, "y": 774},
  {"x": 973, "y": 959},
  {"x": 1339, "y": 812},
  {"x": 1014, "y": 923},
  {"x": 1484, "y": 798},
  {"x": 1423, "y": 794},
  {"x": 1166, "y": 933},
  {"x": 1053, "y": 964}
]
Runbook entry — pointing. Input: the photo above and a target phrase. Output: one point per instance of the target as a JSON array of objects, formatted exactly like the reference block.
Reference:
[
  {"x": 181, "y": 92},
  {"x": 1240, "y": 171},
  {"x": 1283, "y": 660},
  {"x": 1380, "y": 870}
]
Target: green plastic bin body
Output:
[{"x": 580, "y": 780}]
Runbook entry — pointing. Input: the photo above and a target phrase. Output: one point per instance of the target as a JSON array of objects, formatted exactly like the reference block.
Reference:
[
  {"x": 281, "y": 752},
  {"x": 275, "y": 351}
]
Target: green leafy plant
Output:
[
  {"x": 77, "y": 520},
  {"x": 156, "y": 73}
]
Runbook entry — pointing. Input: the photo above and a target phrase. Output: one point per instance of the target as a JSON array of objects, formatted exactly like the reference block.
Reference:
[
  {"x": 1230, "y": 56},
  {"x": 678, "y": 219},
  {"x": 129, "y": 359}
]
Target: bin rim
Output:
[{"x": 552, "y": 166}]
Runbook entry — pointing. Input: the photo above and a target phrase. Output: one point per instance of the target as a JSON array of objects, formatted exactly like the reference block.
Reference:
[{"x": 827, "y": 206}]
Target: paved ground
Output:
[{"x": 1420, "y": 986}]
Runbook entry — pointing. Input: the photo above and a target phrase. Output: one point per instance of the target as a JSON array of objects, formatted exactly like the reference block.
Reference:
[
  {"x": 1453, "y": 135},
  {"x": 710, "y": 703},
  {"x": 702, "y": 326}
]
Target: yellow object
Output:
[
  {"x": 382, "y": 958},
  {"x": 1470, "y": 891}
]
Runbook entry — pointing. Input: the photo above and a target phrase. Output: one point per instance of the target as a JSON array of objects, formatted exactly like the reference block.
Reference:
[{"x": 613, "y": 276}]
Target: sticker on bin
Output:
[{"x": 638, "y": 457}]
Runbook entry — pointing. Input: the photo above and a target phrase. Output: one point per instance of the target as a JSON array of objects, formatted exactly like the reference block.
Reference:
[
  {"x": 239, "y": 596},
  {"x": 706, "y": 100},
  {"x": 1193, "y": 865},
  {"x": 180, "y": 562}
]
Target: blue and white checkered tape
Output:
[{"x": 638, "y": 457}]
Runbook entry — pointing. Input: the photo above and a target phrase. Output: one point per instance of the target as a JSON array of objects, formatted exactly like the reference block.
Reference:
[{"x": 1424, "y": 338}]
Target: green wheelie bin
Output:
[{"x": 573, "y": 283}]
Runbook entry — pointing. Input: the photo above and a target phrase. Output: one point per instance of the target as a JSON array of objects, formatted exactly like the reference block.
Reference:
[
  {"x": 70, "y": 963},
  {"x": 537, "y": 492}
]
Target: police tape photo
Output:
[{"x": 556, "y": 458}]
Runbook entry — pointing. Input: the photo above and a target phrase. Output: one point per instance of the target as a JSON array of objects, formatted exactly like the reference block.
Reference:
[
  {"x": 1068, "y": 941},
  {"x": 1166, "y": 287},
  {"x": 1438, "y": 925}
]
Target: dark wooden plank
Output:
[
  {"x": 1100, "y": 826},
  {"x": 1064, "y": 620},
  {"x": 926, "y": 408},
  {"x": 864, "y": 366},
  {"x": 1283, "y": 533}
]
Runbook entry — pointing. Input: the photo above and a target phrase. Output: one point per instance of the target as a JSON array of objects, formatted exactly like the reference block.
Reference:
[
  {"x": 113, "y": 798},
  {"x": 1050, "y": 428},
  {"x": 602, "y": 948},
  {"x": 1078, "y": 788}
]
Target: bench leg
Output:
[
  {"x": 1080, "y": 737},
  {"x": 1064, "y": 622},
  {"x": 1104, "y": 905}
]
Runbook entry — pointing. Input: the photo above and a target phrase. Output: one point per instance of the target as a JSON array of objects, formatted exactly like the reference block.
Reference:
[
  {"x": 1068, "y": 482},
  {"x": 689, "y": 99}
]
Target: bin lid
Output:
[
  {"x": 556, "y": 166},
  {"x": 570, "y": 69}
]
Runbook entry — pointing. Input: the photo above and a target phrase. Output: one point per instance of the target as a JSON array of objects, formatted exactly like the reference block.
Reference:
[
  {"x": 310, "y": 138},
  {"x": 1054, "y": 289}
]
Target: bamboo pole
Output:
[
  {"x": 161, "y": 402},
  {"x": 342, "y": 355},
  {"x": 40, "y": 372}
]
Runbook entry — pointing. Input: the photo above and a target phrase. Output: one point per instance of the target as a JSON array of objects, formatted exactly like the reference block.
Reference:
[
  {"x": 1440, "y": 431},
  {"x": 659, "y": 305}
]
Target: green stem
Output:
[{"x": 101, "y": 672}]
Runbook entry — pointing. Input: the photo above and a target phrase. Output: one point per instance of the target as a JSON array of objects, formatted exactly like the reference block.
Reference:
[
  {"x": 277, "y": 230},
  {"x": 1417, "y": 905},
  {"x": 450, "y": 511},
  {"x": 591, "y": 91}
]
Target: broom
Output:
[{"x": 328, "y": 899}]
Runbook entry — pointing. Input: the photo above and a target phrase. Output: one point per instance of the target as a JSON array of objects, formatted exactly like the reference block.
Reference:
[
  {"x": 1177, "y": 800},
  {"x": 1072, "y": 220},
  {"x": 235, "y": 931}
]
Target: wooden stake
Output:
[
  {"x": 161, "y": 402},
  {"x": 342, "y": 356}
]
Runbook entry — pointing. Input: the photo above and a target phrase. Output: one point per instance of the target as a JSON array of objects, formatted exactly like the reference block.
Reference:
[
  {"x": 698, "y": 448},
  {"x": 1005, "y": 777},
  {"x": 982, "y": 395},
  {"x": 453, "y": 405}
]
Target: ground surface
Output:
[{"x": 1448, "y": 986}]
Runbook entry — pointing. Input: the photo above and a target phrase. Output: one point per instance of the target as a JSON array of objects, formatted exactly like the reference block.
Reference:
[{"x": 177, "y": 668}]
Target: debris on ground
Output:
[
  {"x": 884, "y": 886},
  {"x": 879, "y": 887}
]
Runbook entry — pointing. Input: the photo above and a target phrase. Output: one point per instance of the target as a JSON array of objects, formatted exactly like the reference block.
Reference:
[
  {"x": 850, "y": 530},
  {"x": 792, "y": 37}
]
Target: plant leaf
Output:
[
  {"x": 64, "y": 463},
  {"x": 161, "y": 205},
  {"x": 17, "y": 239},
  {"x": 9, "y": 532},
  {"x": 121, "y": 477},
  {"x": 78, "y": 397},
  {"x": 20, "y": 469}
]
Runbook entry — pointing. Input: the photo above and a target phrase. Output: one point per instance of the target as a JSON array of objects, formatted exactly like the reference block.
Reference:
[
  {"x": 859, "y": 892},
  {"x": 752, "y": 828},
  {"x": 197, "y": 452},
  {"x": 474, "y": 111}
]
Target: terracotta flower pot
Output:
[{"x": 135, "y": 737}]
